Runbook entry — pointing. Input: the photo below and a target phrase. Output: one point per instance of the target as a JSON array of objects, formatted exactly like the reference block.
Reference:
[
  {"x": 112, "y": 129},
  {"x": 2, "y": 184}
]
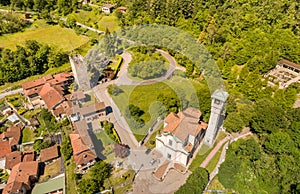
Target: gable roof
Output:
[
  {"x": 28, "y": 156},
  {"x": 109, "y": 6},
  {"x": 49, "y": 186},
  {"x": 14, "y": 135},
  {"x": 5, "y": 148},
  {"x": 51, "y": 96},
  {"x": 13, "y": 159},
  {"x": 184, "y": 123},
  {"x": 21, "y": 173},
  {"x": 82, "y": 153},
  {"x": 49, "y": 153}
]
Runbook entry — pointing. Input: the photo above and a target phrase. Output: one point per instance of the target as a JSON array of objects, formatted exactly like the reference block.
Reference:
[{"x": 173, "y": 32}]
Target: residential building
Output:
[
  {"x": 48, "y": 92},
  {"x": 83, "y": 150},
  {"x": 108, "y": 8},
  {"x": 49, "y": 154},
  {"x": 22, "y": 178},
  {"x": 122, "y": 9},
  {"x": 5, "y": 148},
  {"x": 12, "y": 159},
  {"x": 180, "y": 136}
]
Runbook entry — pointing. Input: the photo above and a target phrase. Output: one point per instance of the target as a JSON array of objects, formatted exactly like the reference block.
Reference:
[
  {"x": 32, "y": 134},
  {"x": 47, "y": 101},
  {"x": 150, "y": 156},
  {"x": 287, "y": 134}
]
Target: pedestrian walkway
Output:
[{"x": 213, "y": 152}]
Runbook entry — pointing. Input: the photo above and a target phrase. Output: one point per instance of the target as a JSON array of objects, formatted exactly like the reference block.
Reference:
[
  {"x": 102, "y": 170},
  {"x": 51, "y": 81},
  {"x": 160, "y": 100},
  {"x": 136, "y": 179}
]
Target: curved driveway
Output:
[{"x": 123, "y": 78}]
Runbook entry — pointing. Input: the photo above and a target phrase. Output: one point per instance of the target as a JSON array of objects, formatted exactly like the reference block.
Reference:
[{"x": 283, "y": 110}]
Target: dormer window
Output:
[
  {"x": 170, "y": 142},
  {"x": 85, "y": 156}
]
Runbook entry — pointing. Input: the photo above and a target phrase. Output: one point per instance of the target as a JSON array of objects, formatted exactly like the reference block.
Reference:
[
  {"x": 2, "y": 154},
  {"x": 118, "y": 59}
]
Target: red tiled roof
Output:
[
  {"x": 109, "y": 6},
  {"x": 49, "y": 153},
  {"x": 24, "y": 172},
  {"x": 5, "y": 148},
  {"x": 28, "y": 156},
  {"x": 122, "y": 8},
  {"x": 14, "y": 135},
  {"x": 34, "y": 87},
  {"x": 51, "y": 96},
  {"x": 184, "y": 123},
  {"x": 33, "y": 84},
  {"x": 13, "y": 159},
  {"x": 82, "y": 153}
]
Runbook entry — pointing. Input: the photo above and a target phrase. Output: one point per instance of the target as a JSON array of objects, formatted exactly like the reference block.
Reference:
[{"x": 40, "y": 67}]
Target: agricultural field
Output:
[{"x": 63, "y": 38}]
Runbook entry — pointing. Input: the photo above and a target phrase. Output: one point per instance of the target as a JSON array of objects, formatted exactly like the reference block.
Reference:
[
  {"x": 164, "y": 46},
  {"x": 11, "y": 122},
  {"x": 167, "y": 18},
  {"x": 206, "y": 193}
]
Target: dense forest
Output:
[
  {"x": 31, "y": 59},
  {"x": 246, "y": 39}
]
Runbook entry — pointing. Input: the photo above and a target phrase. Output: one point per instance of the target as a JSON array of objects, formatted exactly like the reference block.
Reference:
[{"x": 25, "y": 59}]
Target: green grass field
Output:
[
  {"x": 27, "y": 135},
  {"x": 145, "y": 97},
  {"x": 63, "y": 38},
  {"x": 99, "y": 21}
]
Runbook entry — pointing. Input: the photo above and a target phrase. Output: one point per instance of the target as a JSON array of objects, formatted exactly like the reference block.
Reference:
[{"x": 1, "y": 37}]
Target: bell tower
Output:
[{"x": 219, "y": 98}]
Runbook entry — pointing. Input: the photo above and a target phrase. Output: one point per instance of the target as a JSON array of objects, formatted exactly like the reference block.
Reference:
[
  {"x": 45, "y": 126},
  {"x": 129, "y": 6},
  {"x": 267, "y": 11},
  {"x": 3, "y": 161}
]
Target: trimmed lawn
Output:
[
  {"x": 214, "y": 161},
  {"x": 152, "y": 138},
  {"x": 110, "y": 22},
  {"x": 103, "y": 137},
  {"x": 27, "y": 135},
  {"x": 71, "y": 182},
  {"x": 63, "y": 38},
  {"x": 145, "y": 97},
  {"x": 204, "y": 152}
]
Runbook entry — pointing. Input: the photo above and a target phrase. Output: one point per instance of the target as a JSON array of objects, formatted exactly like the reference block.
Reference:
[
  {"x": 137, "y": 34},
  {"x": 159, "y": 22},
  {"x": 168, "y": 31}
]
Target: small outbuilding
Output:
[{"x": 108, "y": 8}]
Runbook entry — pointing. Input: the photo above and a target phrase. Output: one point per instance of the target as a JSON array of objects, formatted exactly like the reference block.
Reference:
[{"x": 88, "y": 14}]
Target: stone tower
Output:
[{"x": 219, "y": 98}]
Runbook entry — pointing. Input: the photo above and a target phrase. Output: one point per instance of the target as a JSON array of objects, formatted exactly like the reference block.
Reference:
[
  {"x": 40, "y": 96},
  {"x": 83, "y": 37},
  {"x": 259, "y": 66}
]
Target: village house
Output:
[
  {"x": 12, "y": 159},
  {"x": 83, "y": 150},
  {"x": 108, "y": 8},
  {"x": 5, "y": 148},
  {"x": 49, "y": 154},
  {"x": 49, "y": 92},
  {"x": 179, "y": 139},
  {"x": 22, "y": 178},
  {"x": 13, "y": 136},
  {"x": 122, "y": 9}
]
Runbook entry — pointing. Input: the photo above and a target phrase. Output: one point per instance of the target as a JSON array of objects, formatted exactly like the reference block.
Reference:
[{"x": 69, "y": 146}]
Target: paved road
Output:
[
  {"x": 123, "y": 78},
  {"x": 116, "y": 117},
  {"x": 4, "y": 94}
]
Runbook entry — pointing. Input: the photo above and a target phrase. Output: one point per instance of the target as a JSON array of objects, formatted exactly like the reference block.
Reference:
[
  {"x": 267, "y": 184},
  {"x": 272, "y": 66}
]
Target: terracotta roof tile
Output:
[
  {"x": 49, "y": 153},
  {"x": 23, "y": 172},
  {"x": 82, "y": 153},
  {"x": 51, "y": 96},
  {"x": 184, "y": 123},
  {"x": 14, "y": 135},
  {"x": 5, "y": 148},
  {"x": 28, "y": 156},
  {"x": 13, "y": 159}
]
